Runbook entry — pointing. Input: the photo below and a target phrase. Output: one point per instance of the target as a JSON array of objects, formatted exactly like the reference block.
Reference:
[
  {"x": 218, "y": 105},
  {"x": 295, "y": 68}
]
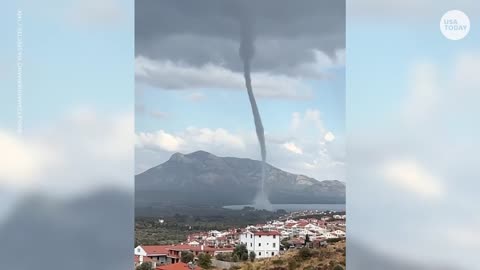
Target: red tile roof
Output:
[
  {"x": 266, "y": 233},
  {"x": 180, "y": 247},
  {"x": 156, "y": 250},
  {"x": 176, "y": 266},
  {"x": 164, "y": 250},
  {"x": 302, "y": 224}
]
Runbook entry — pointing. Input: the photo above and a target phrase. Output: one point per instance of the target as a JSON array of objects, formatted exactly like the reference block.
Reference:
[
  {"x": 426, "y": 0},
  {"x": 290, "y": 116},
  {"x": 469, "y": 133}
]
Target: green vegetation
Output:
[
  {"x": 145, "y": 266},
  {"x": 278, "y": 261},
  {"x": 175, "y": 228},
  {"x": 331, "y": 257},
  {"x": 187, "y": 257},
  {"x": 204, "y": 261},
  {"x": 241, "y": 252},
  {"x": 305, "y": 253},
  {"x": 252, "y": 256},
  {"x": 285, "y": 242}
]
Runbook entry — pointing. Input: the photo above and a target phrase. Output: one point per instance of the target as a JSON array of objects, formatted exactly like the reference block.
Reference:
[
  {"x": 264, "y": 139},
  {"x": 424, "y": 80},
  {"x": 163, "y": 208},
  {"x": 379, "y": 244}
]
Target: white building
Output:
[
  {"x": 339, "y": 233},
  {"x": 214, "y": 233},
  {"x": 194, "y": 244},
  {"x": 329, "y": 235},
  {"x": 286, "y": 234},
  {"x": 156, "y": 254},
  {"x": 264, "y": 243}
]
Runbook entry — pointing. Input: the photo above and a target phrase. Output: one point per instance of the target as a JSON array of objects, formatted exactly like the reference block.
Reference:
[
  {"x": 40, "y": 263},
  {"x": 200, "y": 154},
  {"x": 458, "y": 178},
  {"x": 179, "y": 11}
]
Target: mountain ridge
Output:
[{"x": 204, "y": 178}]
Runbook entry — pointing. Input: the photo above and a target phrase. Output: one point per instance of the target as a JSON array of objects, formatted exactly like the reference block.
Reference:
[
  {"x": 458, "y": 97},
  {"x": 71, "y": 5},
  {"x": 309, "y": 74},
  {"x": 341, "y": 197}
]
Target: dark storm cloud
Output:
[{"x": 200, "y": 32}]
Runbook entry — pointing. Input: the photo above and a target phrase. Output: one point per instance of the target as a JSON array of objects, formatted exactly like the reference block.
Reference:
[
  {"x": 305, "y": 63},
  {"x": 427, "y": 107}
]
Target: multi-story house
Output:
[{"x": 264, "y": 243}]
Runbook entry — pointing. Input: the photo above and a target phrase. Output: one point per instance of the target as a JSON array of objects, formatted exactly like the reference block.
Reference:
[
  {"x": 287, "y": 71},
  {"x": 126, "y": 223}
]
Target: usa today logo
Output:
[{"x": 455, "y": 25}]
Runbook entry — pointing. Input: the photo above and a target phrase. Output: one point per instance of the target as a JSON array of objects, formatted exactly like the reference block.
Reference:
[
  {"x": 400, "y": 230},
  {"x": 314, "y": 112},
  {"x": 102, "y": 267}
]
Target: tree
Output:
[
  {"x": 145, "y": 266},
  {"x": 252, "y": 256},
  {"x": 241, "y": 252},
  {"x": 307, "y": 239},
  {"x": 205, "y": 261},
  {"x": 285, "y": 242},
  {"x": 187, "y": 257},
  {"x": 244, "y": 257}
]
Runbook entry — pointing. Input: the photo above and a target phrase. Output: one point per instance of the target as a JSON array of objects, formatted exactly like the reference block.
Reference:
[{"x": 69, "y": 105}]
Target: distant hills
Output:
[{"x": 203, "y": 179}]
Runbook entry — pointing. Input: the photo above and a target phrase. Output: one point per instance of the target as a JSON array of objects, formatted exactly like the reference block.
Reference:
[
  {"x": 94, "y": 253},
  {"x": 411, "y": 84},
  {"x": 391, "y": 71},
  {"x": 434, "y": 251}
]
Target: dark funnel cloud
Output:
[
  {"x": 205, "y": 32},
  {"x": 246, "y": 52}
]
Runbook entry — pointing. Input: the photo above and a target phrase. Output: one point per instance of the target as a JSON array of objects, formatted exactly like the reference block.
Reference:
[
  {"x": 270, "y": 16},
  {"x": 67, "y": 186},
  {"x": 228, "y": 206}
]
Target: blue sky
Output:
[
  {"x": 77, "y": 97},
  {"x": 231, "y": 109},
  {"x": 67, "y": 63},
  {"x": 378, "y": 75},
  {"x": 412, "y": 98}
]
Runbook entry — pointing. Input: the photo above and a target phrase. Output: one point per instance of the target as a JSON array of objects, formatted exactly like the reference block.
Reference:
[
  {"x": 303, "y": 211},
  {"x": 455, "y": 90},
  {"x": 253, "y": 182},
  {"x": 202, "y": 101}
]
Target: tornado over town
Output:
[{"x": 247, "y": 51}]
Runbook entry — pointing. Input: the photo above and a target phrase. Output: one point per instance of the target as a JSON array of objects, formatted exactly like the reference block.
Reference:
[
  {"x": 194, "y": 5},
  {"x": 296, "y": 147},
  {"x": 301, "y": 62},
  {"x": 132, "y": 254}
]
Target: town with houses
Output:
[{"x": 292, "y": 231}]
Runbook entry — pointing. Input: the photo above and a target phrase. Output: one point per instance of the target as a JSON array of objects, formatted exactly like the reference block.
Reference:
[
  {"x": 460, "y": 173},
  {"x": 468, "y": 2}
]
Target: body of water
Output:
[{"x": 295, "y": 207}]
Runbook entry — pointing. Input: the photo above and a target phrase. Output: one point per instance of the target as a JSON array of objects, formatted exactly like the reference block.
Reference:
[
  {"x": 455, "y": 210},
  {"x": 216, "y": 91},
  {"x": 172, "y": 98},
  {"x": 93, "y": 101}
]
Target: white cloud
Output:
[
  {"x": 83, "y": 151},
  {"x": 290, "y": 146},
  {"x": 22, "y": 160},
  {"x": 190, "y": 140},
  {"x": 218, "y": 137},
  {"x": 310, "y": 118},
  {"x": 329, "y": 137},
  {"x": 410, "y": 176},
  {"x": 159, "y": 139},
  {"x": 311, "y": 156},
  {"x": 176, "y": 76},
  {"x": 318, "y": 69}
]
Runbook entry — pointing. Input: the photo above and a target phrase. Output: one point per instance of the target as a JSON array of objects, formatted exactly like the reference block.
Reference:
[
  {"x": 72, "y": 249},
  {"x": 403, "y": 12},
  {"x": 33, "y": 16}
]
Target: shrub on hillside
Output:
[
  {"x": 226, "y": 257},
  {"x": 305, "y": 253},
  {"x": 278, "y": 268},
  {"x": 278, "y": 262},
  {"x": 292, "y": 264}
]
